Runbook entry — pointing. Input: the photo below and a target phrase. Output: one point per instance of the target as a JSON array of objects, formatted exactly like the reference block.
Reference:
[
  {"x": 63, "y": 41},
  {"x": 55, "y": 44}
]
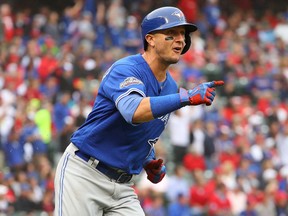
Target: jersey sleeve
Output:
[
  {"x": 121, "y": 81},
  {"x": 128, "y": 105}
]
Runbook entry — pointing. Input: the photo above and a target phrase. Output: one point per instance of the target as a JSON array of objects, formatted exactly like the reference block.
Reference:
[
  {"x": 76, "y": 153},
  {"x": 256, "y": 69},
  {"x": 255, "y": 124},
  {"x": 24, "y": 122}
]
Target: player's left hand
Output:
[
  {"x": 155, "y": 170},
  {"x": 201, "y": 94}
]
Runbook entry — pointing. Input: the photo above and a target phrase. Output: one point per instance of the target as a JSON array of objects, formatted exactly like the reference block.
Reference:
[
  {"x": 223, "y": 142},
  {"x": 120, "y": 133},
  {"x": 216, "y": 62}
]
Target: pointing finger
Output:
[{"x": 216, "y": 83}]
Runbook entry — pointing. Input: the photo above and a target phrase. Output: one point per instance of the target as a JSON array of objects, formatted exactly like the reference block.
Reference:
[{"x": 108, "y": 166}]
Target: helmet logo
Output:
[{"x": 177, "y": 13}]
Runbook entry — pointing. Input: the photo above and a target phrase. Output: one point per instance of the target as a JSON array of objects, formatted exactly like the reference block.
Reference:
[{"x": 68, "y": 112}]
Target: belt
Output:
[{"x": 112, "y": 173}]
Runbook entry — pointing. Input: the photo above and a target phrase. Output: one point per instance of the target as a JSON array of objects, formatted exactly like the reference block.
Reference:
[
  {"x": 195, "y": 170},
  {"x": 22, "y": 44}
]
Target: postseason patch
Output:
[{"x": 130, "y": 81}]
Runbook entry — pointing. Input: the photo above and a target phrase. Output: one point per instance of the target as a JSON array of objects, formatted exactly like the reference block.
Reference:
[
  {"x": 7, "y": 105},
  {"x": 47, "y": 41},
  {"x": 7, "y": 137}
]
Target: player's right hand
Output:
[
  {"x": 155, "y": 170},
  {"x": 201, "y": 94}
]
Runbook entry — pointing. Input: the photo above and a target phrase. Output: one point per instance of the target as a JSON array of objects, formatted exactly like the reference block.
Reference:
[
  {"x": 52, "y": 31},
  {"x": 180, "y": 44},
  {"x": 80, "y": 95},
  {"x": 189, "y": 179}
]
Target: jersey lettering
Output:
[
  {"x": 164, "y": 118},
  {"x": 152, "y": 142}
]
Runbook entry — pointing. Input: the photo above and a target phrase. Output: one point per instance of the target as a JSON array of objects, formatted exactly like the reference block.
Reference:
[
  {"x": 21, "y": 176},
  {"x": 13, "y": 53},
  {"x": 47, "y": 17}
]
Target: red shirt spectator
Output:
[
  {"x": 189, "y": 8},
  {"x": 193, "y": 161},
  {"x": 48, "y": 66},
  {"x": 256, "y": 196},
  {"x": 199, "y": 192},
  {"x": 199, "y": 196},
  {"x": 33, "y": 90},
  {"x": 231, "y": 156},
  {"x": 218, "y": 203},
  {"x": 7, "y": 22}
]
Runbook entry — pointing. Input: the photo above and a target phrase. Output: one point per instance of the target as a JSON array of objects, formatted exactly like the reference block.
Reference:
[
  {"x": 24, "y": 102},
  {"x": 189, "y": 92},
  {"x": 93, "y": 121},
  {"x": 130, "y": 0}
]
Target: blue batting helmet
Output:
[{"x": 164, "y": 18}]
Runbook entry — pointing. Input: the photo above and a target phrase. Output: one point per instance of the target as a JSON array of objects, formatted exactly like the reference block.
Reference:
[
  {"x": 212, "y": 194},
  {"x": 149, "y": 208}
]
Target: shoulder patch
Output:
[{"x": 130, "y": 81}]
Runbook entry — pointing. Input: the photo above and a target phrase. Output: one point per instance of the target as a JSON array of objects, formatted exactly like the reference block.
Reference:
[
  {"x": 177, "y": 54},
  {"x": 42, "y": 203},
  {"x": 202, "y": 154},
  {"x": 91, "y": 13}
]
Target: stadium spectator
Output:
[
  {"x": 14, "y": 151},
  {"x": 199, "y": 193},
  {"x": 179, "y": 207},
  {"x": 218, "y": 203},
  {"x": 156, "y": 207},
  {"x": 131, "y": 36},
  {"x": 179, "y": 133},
  {"x": 178, "y": 185}
]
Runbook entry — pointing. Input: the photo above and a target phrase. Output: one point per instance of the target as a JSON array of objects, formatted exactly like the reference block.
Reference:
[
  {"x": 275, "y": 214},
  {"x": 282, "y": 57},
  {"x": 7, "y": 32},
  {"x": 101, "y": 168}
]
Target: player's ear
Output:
[{"x": 150, "y": 39}]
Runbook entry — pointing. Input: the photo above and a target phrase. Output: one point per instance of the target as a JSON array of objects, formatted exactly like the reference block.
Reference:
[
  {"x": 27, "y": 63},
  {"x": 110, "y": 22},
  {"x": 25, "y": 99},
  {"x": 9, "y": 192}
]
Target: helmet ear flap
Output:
[
  {"x": 187, "y": 43},
  {"x": 145, "y": 44}
]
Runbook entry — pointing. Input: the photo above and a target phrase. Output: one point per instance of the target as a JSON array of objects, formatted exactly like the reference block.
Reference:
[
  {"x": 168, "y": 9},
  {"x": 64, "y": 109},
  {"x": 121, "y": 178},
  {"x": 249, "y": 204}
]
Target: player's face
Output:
[{"x": 169, "y": 44}]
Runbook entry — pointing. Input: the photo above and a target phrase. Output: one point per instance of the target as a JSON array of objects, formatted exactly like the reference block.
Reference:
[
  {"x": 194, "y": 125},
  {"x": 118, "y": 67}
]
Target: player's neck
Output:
[{"x": 158, "y": 69}]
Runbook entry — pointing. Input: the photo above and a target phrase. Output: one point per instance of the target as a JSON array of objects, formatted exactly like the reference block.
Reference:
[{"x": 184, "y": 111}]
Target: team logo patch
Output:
[{"x": 130, "y": 81}]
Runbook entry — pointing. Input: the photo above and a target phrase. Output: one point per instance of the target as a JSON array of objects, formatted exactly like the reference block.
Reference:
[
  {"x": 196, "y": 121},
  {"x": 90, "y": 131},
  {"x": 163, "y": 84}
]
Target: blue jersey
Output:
[{"x": 106, "y": 135}]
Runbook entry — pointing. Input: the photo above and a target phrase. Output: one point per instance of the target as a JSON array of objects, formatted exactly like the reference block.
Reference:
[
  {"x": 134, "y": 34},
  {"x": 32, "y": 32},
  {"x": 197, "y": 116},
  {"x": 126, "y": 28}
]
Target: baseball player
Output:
[{"x": 136, "y": 96}]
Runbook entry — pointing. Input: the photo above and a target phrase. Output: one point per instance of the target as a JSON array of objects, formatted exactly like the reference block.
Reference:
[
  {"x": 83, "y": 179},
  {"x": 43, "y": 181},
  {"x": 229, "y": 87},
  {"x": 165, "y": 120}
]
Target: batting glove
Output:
[
  {"x": 201, "y": 94},
  {"x": 155, "y": 170}
]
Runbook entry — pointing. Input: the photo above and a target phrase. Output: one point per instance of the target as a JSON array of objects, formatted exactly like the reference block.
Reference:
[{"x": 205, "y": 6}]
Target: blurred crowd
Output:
[{"x": 226, "y": 159}]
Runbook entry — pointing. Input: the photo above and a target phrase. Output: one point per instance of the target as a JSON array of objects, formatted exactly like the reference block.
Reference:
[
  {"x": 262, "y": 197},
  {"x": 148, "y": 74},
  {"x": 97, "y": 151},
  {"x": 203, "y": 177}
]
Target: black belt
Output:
[{"x": 112, "y": 173}]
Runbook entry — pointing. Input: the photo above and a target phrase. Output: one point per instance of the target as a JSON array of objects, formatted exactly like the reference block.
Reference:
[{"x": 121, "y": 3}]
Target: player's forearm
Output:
[{"x": 143, "y": 113}]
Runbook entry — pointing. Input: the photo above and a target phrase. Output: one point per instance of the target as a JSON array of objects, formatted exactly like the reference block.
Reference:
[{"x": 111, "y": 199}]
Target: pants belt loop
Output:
[{"x": 93, "y": 162}]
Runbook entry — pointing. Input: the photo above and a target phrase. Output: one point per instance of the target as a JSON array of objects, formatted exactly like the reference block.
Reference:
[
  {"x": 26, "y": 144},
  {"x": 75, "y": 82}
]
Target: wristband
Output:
[{"x": 163, "y": 105}]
